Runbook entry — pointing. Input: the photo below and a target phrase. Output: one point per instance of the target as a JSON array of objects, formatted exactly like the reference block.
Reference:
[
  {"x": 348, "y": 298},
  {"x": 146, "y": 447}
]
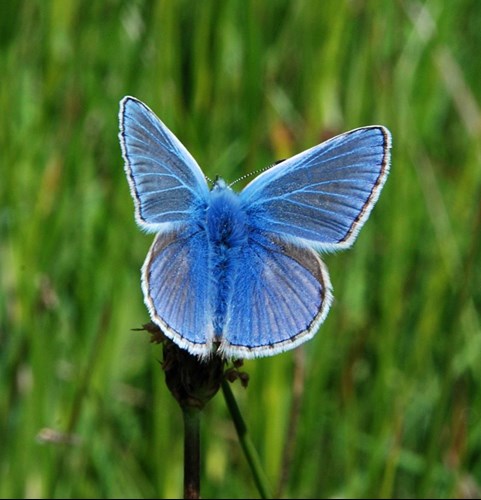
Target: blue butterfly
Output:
[{"x": 238, "y": 274}]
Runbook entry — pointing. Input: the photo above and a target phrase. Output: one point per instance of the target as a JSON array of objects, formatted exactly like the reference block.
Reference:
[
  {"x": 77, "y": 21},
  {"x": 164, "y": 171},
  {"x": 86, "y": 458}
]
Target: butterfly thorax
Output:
[
  {"x": 227, "y": 236},
  {"x": 225, "y": 218}
]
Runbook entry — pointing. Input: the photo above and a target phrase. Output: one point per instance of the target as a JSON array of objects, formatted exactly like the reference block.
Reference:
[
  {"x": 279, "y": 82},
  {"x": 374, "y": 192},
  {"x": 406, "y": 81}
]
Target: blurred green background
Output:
[{"x": 386, "y": 399}]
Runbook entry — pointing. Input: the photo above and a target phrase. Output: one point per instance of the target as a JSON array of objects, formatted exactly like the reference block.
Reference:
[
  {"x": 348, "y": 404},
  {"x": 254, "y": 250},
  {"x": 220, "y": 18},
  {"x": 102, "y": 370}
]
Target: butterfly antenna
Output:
[{"x": 259, "y": 171}]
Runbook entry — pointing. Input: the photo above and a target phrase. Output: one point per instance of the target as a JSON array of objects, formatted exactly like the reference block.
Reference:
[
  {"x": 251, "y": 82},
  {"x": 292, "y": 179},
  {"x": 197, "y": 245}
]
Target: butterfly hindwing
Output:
[
  {"x": 280, "y": 296},
  {"x": 175, "y": 282},
  {"x": 165, "y": 181},
  {"x": 322, "y": 196}
]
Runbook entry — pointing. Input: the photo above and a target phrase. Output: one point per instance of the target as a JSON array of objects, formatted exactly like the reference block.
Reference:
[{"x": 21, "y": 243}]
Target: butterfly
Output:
[{"x": 238, "y": 275}]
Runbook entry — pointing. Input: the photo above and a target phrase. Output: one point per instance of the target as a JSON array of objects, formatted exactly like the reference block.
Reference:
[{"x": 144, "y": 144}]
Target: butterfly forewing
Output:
[
  {"x": 166, "y": 182},
  {"x": 322, "y": 196}
]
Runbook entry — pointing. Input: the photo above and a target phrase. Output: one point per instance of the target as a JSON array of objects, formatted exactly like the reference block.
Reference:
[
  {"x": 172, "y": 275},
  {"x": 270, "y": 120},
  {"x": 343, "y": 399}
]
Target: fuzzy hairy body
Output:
[{"x": 227, "y": 235}]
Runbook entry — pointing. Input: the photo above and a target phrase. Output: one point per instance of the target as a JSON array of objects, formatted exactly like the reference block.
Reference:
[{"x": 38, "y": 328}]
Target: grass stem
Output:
[{"x": 250, "y": 452}]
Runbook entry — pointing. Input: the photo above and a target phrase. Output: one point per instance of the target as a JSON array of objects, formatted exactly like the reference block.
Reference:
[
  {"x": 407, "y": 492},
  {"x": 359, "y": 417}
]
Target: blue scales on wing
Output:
[
  {"x": 286, "y": 294},
  {"x": 321, "y": 197},
  {"x": 175, "y": 281},
  {"x": 166, "y": 182}
]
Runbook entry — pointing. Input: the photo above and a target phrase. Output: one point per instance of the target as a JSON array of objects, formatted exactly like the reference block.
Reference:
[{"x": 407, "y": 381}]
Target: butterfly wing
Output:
[
  {"x": 281, "y": 294},
  {"x": 322, "y": 197},
  {"x": 175, "y": 283},
  {"x": 166, "y": 183}
]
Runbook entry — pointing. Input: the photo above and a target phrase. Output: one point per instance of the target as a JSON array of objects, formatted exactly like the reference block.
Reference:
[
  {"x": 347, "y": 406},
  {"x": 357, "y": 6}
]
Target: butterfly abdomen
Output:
[{"x": 227, "y": 235}]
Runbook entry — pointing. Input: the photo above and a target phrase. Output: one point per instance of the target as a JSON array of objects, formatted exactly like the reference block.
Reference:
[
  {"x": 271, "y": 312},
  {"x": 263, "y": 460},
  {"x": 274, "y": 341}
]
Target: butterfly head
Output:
[{"x": 219, "y": 184}]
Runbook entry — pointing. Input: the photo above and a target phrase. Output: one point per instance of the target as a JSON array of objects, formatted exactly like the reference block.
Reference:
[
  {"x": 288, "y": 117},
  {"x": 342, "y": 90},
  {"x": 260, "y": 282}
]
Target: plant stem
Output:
[
  {"x": 191, "y": 452},
  {"x": 248, "y": 447}
]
